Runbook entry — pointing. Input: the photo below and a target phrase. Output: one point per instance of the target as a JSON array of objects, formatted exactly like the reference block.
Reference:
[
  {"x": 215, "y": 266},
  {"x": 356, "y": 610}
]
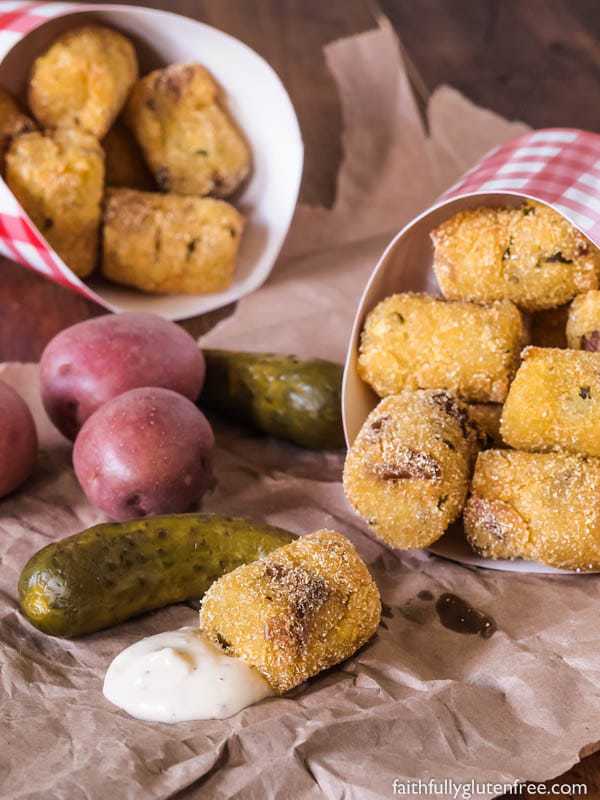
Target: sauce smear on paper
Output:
[{"x": 457, "y": 615}]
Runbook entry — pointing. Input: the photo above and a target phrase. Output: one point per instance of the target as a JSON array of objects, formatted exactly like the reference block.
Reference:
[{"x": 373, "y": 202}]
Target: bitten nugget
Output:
[
  {"x": 190, "y": 143},
  {"x": 413, "y": 341},
  {"x": 554, "y": 402},
  {"x": 408, "y": 471},
  {"x": 58, "y": 178},
  {"x": 170, "y": 244},
  {"x": 303, "y": 608},
  {"x": 583, "y": 324},
  {"x": 530, "y": 255},
  {"x": 486, "y": 417},
  {"x": 13, "y": 122},
  {"x": 83, "y": 79},
  {"x": 539, "y": 506},
  {"x": 125, "y": 165},
  {"x": 549, "y": 327}
]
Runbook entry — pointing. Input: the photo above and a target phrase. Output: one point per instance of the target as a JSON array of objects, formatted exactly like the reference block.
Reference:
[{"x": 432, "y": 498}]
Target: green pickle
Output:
[
  {"x": 282, "y": 396},
  {"x": 111, "y": 572}
]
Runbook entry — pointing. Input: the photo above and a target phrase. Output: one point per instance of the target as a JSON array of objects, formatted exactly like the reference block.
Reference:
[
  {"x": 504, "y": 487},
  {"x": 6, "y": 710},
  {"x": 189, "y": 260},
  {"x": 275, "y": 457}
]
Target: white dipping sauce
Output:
[{"x": 179, "y": 676}]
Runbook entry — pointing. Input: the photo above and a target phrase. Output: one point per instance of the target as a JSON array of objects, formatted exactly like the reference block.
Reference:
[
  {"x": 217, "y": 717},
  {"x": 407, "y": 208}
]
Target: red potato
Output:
[
  {"x": 94, "y": 361},
  {"x": 145, "y": 452},
  {"x": 18, "y": 440}
]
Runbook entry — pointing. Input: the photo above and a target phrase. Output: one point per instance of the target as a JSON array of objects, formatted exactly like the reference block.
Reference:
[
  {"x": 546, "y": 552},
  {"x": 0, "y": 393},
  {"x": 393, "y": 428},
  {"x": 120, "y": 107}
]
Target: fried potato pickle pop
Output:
[
  {"x": 414, "y": 341},
  {"x": 583, "y": 323},
  {"x": 530, "y": 255},
  {"x": 538, "y": 506},
  {"x": 554, "y": 402},
  {"x": 407, "y": 473},
  {"x": 305, "y": 607}
]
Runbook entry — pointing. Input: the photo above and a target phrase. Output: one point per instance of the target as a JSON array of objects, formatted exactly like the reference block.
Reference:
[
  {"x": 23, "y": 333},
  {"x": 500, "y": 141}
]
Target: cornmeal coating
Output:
[
  {"x": 305, "y": 607},
  {"x": 13, "y": 122},
  {"x": 125, "y": 165},
  {"x": 554, "y": 402},
  {"x": 530, "y": 255},
  {"x": 407, "y": 473},
  {"x": 414, "y": 341},
  {"x": 83, "y": 79},
  {"x": 583, "y": 324},
  {"x": 170, "y": 244},
  {"x": 486, "y": 417},
  {"x": 58, "y": 178},
  {"x": 539, "y": 506},
  {"x": 549, "y": 327},
  {"x": 190, "y": 142}
]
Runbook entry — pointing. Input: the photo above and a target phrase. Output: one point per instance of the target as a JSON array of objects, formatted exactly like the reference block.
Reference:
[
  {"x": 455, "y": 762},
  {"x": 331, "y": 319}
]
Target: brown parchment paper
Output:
[{"x": 420, "y": 701}]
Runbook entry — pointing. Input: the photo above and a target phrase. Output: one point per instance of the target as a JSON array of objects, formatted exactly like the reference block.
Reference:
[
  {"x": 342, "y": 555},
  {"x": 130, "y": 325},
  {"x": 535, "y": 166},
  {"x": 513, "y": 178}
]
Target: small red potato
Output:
[
  {"x": 89, "y": 363},
  {"x": 145, "y": 452},
  {"x": 18, "y": 440}
]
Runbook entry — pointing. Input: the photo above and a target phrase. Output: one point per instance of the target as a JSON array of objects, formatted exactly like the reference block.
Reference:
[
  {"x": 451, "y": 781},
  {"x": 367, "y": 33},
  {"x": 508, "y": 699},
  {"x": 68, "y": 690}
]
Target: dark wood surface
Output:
[{"x": 534, "y": 60}]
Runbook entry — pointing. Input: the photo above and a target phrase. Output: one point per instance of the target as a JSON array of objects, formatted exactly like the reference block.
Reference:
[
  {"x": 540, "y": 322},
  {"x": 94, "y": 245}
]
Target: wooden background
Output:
[{"x": 534, "y": 60}]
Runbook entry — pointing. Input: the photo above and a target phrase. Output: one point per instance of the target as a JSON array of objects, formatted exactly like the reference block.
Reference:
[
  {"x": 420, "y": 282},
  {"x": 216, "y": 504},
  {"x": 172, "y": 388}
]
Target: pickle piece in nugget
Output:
[
  {"x": 539, "y": 506},
  {"x": 13, "y": 122},
  {"x": 305, "y": 607},
  {"x": 414, "y": 341},
  {"x": 58, "y": 178},
  {"x": 530, "y": 255},
  {"x": 407, "y": 473},
  {"x": 583, "y": 324},
  {"x": 83, "y": 79},
  {"x": 125, "y": 165},
  {"x": 169, "y": 244},
  {"x": 190, "y": 142},
  {"x": 486, "y": 417},
  {"x": 549, "y": 327},
  {"x": 554, "y": 402}
]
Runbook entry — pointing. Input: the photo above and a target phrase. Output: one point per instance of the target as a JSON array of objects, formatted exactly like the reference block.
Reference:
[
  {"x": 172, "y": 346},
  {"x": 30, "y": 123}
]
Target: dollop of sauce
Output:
[{"x": 180, "y": 676}]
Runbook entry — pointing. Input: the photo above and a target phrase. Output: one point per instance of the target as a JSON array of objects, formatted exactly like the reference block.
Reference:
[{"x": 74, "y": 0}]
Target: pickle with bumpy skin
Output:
[
  {"x": 282, "y": 396},
  {"x": 111, "y": 572}
]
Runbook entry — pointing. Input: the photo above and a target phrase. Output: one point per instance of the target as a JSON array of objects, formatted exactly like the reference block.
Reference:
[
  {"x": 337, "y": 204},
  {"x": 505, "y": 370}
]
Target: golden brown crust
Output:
[
  {"x": 583, "y": 324},
  {"x": 13, "y": 122},
  {"x": 170, "y": 244},
  {"x": 414, "y": 341},
  {"x": 125, "y": 165},
  {"x": 58, "y": 178},
  {"x": 305, "y": 607},
  {"x": 530, "y": 255},
  {"x": 189, "y": 141},
  {"x": 83, "y": 79}
]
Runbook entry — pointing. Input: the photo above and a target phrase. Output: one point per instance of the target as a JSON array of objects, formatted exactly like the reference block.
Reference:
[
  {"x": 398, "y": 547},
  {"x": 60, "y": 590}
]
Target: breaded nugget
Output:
[
  {"x": 190, "y": 143},
  {"x": 170, "y": 244},
  {"x": 407, "y": 473},
  {"x": 549, "y": 327},
  {"x": 414, "y": 341},
  {"x": 13, "y": 122},
  {"x": 58, "y": 178},
  {"x": 486, "y": 417},
  {"x": 125, "y": 165},
  {"x": 583, "y": 324},
  {"x": 303, "y": 608},
  {"x": 83, "y": 79},
  {"x": 554, "y": 402},
  {"x": 530, "y": 255},
  {"x": 539, "y": 506}
]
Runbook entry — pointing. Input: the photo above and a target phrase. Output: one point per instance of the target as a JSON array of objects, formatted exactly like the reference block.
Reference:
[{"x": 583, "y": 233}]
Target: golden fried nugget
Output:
[
  {"x": 13, "y": 122},
  {"x": 83, "y": 79},
  {"x": 554, "y": 402},
  {"x": 170, "y": 244},
  {"x": 530, "y": 255},
  {"x": 407, "y": 473},
  {"x": 583, "y": 324},
  {"x": 486, "y": 417},
  {"x": 58, "y": 178},
  {"x": 414, "y": 341},
  {"x": 303, "y": 608},
  {"x": 125, "y": 165},
  {"x": 539, "y": 506},
  {"x": 549, "y": 327},
  {"x": 190, "y": 143}
]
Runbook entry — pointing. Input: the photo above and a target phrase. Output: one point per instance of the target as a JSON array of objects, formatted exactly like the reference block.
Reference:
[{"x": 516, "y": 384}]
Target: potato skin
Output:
[
  {"x": 190, "y": 143},
  {"x": 125, "y": 165},
  {"x": 165, "y": 244},
  {"x": 18, "y": 440},
  {"x": 83, "y": 79},
  {"x": 583, "y": 324},
  {"x": 305, "y": 607},
  {"x": 94, "y": 361},
  {"x": 145, "y": 452},
  {"x": 13, "y": 122},
  {"x": 58, "y": 178}
]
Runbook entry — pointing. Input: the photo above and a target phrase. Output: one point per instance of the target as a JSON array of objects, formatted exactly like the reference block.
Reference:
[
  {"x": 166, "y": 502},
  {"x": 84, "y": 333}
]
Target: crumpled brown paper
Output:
[{"x": 418, "y": 702}]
